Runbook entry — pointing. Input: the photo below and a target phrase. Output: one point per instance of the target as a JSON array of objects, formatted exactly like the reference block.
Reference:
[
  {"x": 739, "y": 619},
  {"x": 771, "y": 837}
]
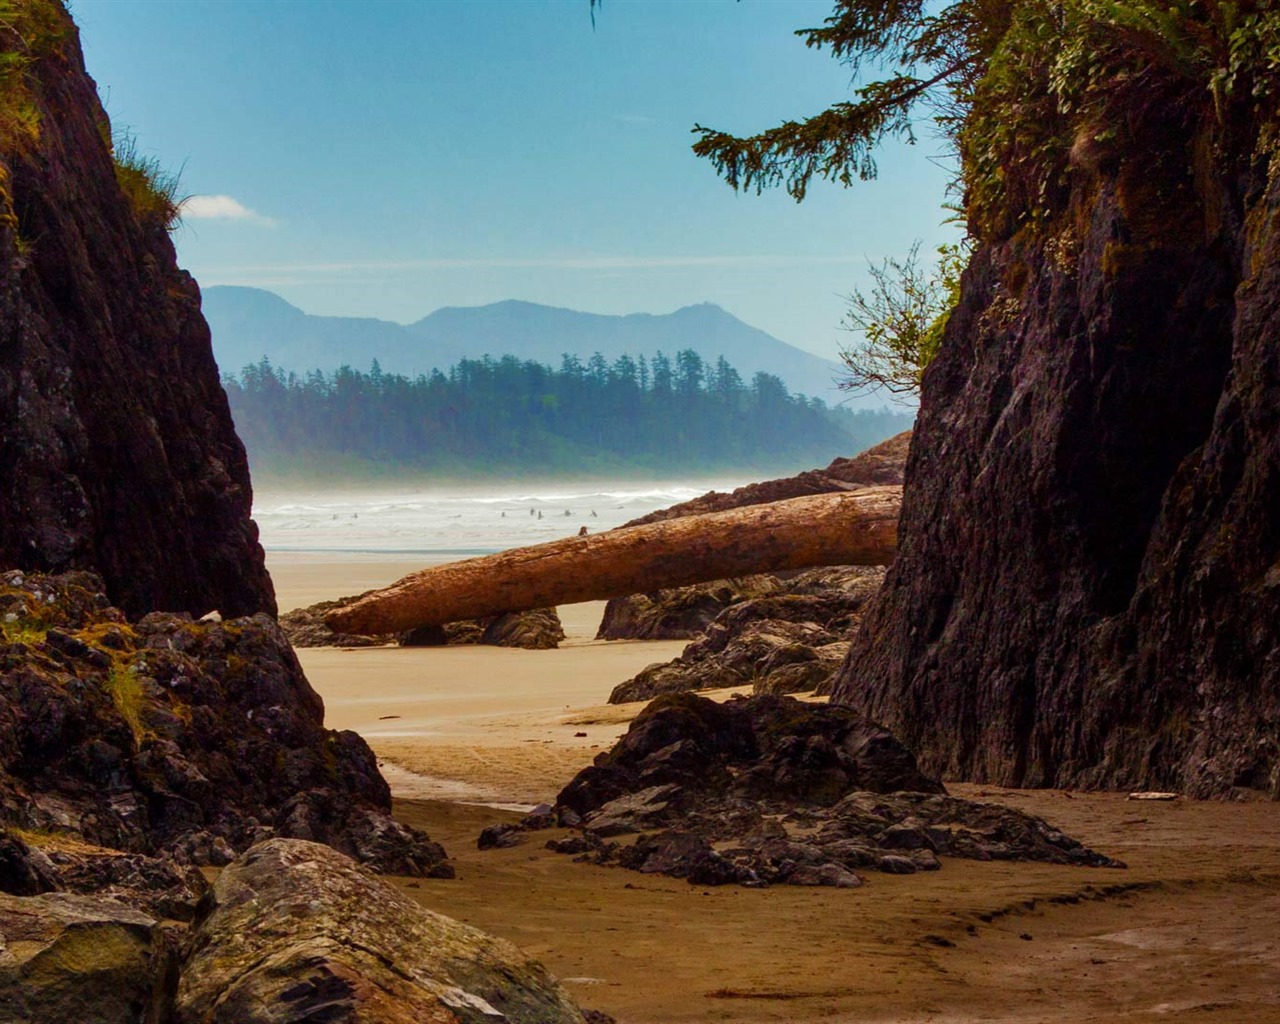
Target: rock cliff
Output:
[
  {"x": 117, "y": 450},
  {"x": 1087, "y": 586}
]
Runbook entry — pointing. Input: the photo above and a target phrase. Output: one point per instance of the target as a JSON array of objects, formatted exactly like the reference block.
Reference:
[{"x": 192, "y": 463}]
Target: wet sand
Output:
[{"x": 1188, "y": 932}]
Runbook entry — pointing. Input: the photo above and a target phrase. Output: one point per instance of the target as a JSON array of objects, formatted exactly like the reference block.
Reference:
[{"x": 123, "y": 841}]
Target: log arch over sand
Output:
[{"x": 850, "y": 528}]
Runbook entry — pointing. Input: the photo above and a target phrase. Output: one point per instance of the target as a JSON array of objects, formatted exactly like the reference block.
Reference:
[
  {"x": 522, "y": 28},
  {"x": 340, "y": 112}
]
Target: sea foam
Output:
[{"x": 477, "y": 522}]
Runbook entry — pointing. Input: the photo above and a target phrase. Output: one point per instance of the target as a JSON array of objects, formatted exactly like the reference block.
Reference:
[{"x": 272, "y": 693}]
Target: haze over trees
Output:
[{"x": 506, "y": 415}]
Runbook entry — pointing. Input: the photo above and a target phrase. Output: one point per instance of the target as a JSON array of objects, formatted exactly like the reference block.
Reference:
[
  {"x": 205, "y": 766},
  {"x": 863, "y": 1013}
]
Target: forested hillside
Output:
[
  {"x": 249, "y": 323},
  {"x": 507, "y": 416}
]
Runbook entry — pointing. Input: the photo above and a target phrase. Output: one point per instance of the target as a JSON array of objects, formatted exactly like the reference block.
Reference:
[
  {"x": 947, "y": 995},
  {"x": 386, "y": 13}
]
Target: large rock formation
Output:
[
  {"x": 117, "y": 451},
  {"x": 1087, "y": 588},
  {"x": 295, "y": 932},
  {"x": 169, "y": 738},
  {"x": 768, "y": 789},
  {"x": 790, "y": 641}
]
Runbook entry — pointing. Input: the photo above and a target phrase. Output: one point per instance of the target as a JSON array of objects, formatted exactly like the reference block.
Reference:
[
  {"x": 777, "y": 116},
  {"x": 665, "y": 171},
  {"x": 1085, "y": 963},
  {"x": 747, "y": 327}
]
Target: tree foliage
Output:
[
  {"x": 1015, "y": 88},
  {"x": 901, "y": 321},
  {"x": 1009, "y": 83},
  {"x": 489, "y": 416}
]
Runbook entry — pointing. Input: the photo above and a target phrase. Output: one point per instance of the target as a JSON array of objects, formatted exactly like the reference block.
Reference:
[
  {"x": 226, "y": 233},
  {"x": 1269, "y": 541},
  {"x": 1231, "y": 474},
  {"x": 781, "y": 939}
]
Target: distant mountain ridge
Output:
[{"x": 249, "y": 323}]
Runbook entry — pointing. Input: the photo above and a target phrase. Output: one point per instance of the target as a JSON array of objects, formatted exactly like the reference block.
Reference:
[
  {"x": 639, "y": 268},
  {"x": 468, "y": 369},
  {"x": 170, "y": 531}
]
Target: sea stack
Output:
[{"x": 117, "y": 450}]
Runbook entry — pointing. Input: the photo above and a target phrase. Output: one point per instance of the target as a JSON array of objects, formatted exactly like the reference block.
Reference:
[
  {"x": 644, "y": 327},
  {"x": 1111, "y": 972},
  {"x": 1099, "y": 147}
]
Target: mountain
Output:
[{"x": 249, "y": 323}]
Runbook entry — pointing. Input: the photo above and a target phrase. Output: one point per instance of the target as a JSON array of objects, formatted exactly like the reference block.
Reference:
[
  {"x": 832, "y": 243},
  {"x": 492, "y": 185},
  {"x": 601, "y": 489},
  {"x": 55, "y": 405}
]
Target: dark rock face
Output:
[
  {"x": 537, "y": 630},
  {"x": 296, "y": 932},
  {"x": 679, "y": 613},
  {"x": 1086, "y": 591},
  {"x": 792, "y": 641},
  {"x": 769, "y": 789},
  {"x": 117, "y": 450},
  {"x": 171, "y": 738},
  {"x": 883, "y": 464}
]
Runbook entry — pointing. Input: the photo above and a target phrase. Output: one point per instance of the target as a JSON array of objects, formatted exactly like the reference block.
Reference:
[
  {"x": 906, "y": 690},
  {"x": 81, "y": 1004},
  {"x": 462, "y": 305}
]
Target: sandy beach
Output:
[
  {"x": 1185, "y": 933},
  {"x": 485, "y": 724}
]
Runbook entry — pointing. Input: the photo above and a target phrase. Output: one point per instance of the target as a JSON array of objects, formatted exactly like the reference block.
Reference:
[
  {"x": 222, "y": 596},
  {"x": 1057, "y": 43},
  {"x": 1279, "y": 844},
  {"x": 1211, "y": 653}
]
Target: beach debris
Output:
[
  {"x": 853, "y": 528},
  {"x": 1153, "y": 795}
]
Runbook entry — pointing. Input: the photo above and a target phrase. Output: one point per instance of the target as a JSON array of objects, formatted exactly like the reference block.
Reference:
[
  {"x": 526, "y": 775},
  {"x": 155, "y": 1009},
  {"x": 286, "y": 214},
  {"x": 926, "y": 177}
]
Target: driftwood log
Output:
[{"x": 852, "y": 528}]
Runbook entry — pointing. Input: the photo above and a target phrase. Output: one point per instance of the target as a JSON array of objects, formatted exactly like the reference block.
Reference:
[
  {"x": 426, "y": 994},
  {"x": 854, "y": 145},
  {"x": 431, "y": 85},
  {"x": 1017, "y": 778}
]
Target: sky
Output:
[{"x": 388, "y": 157}]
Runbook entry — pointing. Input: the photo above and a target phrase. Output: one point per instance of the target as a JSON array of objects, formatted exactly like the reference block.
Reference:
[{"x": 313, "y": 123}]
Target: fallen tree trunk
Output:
[{"x": 852, "y": 528}]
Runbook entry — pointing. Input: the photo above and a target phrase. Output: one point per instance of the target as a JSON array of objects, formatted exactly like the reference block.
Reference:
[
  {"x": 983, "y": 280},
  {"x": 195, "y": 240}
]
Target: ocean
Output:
[{"x": 459, "y": 523}]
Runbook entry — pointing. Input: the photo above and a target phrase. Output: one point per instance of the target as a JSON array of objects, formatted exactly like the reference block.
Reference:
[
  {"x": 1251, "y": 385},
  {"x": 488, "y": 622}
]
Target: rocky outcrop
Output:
[
  {"x": 770, "y": 790},
  {"x": 117, "y": 450},
  {"x": 89, "y": 960},
  {"x": 296, "y": 932},
  {"x": 678, "y": 613},
  {"x": 792, "y": 641},
  {"x": 1086, "y": 589},
  {"x": 537, "y": 630},
  {"x": 172, "y": 738},
  {"x": 883, "y": 464}
]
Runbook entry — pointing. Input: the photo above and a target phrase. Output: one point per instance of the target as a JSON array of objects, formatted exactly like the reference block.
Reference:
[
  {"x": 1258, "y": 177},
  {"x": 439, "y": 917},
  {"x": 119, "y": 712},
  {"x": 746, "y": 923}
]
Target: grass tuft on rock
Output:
[
  {"x": 151, "y": 189},
  {"x": 125, "y": 689},
  {"x": 29, "y": 30}
]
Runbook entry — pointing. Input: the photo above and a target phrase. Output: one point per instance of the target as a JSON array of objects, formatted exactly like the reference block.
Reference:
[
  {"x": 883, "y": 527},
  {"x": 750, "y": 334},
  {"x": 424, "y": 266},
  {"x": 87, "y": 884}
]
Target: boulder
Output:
[
  {"x": 296, "y": 932},
  {"x": 65, "y": 957},
  {"x": 678, "y": 613},
  {"x": 537, "y": 630},
  {"x": 767, "y": 790}
]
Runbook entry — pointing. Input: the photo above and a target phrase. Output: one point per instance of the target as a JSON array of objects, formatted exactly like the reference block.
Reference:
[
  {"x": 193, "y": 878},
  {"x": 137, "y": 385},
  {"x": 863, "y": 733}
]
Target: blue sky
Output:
[{"x": 388, "y": 158}]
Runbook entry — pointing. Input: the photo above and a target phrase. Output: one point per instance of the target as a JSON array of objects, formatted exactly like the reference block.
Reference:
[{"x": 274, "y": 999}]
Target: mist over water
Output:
[{"x": 474, "y": 521}]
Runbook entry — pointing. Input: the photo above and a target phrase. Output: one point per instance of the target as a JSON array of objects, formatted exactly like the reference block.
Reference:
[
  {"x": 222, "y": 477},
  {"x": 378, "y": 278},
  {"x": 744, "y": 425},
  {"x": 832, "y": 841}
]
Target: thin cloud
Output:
[
  {"x": 221, "y": 207},
  {"x": 547, "y": 262}
]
